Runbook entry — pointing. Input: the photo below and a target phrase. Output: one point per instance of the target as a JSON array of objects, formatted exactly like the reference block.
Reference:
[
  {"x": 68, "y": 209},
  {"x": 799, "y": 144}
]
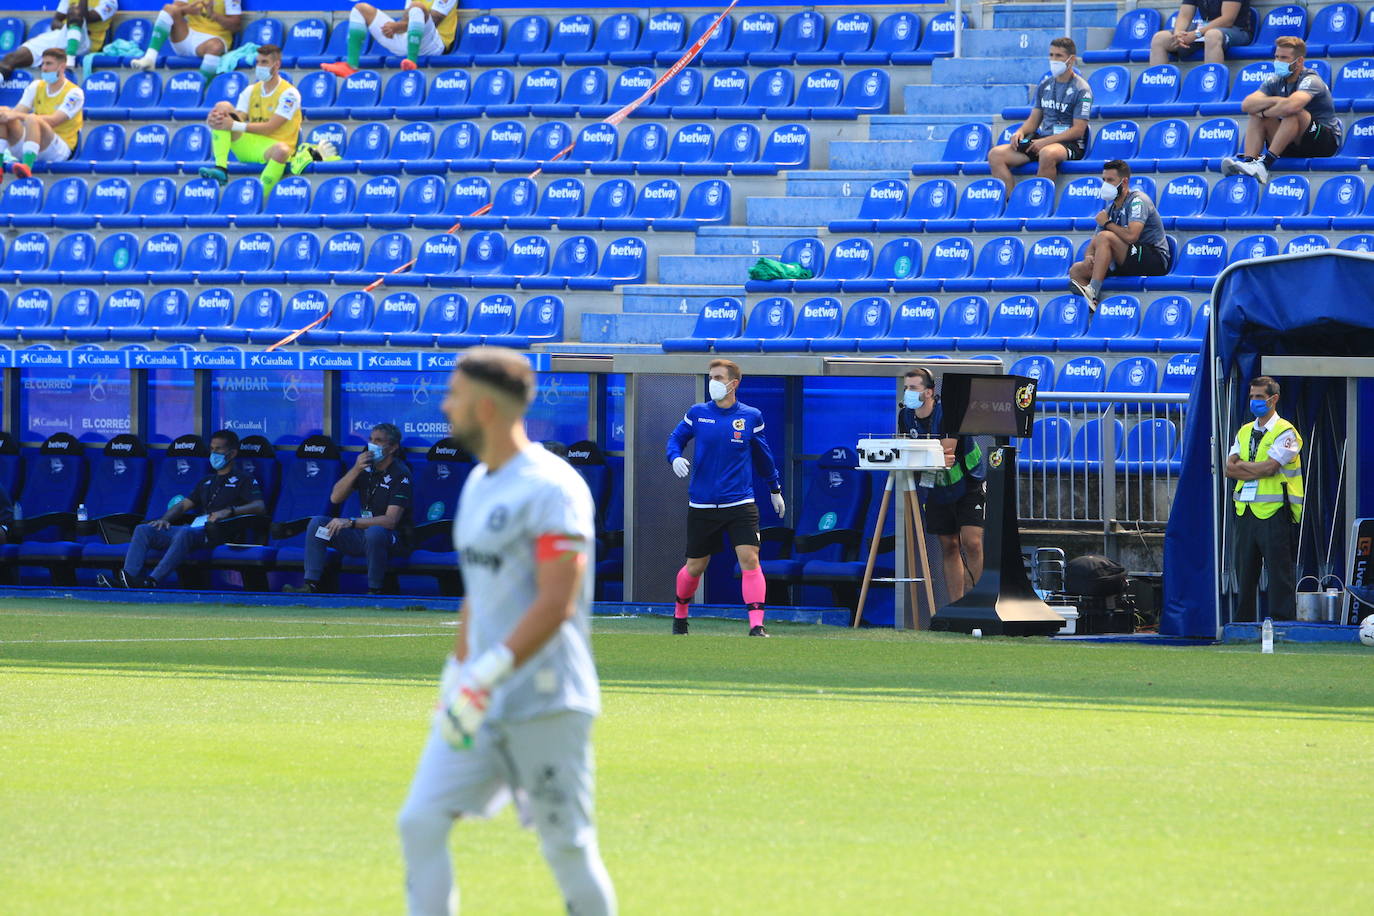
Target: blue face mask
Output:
[
  {"x": 911, "y": 399},
  {"x": 218, "y": 460},
  {"x": 1259, "y": 407},
  {"x": 262, "y": 74},
  {"x": 376, "y": 451},
  {"x": 49, "y": 76},
  {"x": 1282, "y": 68}
]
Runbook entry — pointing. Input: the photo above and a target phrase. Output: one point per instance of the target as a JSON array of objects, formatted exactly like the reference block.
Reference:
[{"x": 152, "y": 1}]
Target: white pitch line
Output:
[
  {"x": 199, "y": 618},
  {"x": 17, "y": 642}
]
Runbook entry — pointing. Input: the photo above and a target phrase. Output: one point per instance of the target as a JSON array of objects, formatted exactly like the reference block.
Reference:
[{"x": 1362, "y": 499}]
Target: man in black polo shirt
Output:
[
  {"x": 6, "y": 516},
  {"x": 383, "y": 529},
  {"x": 225, "y": 494}
]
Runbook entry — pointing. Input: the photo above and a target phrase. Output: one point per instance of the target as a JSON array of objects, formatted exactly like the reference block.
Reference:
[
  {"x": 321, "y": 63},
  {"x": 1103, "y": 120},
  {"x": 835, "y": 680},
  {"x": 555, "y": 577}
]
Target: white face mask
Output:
[
  {"x": 1108, "y": 191},
  {"x": 1057, "y": 67},
  {"x": 717, "y": 389},
  {"x": 911, "y": 399}
]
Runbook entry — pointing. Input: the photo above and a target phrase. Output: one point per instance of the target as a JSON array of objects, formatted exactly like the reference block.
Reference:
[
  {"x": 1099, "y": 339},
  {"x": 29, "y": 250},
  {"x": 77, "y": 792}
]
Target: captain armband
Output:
[{"x": 549, "y": 547}]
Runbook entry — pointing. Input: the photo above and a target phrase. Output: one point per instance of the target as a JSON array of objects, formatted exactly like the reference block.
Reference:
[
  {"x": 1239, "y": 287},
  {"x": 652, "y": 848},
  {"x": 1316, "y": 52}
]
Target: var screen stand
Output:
[{"x": 1002, "y": 603}]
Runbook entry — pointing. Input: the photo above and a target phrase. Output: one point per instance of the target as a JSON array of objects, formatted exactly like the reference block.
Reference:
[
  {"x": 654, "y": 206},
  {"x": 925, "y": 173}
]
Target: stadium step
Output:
[
  {"x": 673, "y": 300},
  {"x": 1014, "y": 44},
  {"x": 756, "y": 241},
  {"x": 850, "y": 183},
  {"x": 703, "y": 269},
  {"x": 988, "y": 71},
  {"x": 622, "y": 328},
  {"x": 974, "y": 102},
  {"x": 1051, "y": 15},
  {"x": 883, "y": 154},
  {"x": 907, "y": 126},
  {"x": 805, "y": 211}
]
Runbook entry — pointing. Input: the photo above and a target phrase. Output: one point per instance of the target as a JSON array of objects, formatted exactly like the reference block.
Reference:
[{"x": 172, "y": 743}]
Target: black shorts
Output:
[
  {"x": 1317, "y": 142},
  {"x": 964, "y": 512},
  {"x": 1075, "y": 148},
  {"x": 1141, "y": 261},
  {"x": 705, "y": 527}
]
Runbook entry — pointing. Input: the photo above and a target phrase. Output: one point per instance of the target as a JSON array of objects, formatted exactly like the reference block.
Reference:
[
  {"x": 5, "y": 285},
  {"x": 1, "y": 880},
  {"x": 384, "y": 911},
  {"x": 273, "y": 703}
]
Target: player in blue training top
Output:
[{"x": 721, "y": 496}]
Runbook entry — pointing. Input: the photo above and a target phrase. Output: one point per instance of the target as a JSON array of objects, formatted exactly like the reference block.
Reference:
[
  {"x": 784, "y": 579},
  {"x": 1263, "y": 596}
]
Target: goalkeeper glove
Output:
[{"x": 466, "y": 693}]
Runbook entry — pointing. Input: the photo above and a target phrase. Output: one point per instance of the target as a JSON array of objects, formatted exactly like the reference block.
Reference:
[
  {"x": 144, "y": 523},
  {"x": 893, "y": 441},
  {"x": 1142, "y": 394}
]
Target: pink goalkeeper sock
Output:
[
  {"x": 686, "y": 588},
  {"x": 755, "y": 592}
]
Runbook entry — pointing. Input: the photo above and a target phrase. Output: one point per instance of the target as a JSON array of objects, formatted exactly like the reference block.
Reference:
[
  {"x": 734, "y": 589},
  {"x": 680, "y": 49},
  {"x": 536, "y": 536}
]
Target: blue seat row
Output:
[
  {"x": 531, "y": 262},
  {"x": 264, "y": 316},
  {"x": 1151, "y": 447},
  {"x": 426, "y": 202},
  {"x": 970, "y": 323},
  {"x": 1185, "y": 202},
  {"x": 1335, "y": 30},
  {"x": 421, "y": 148}
]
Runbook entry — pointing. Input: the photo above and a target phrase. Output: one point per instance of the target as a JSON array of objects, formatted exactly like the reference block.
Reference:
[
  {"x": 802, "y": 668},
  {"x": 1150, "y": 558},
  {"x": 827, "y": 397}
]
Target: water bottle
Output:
[
  {"x": 18, "y": 512},
  {"x": 81, "y": 515},
  {"x": 1267, "y": 637}
]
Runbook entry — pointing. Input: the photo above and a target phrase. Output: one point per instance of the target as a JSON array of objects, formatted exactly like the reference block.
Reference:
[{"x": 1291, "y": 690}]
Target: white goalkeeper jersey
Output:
[{"x": 500, "y": 516}]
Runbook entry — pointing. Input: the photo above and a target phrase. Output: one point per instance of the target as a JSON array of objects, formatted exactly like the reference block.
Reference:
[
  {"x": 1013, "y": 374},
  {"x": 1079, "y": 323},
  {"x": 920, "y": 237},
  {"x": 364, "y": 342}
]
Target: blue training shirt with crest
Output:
[{"x": 729, "y": 446}]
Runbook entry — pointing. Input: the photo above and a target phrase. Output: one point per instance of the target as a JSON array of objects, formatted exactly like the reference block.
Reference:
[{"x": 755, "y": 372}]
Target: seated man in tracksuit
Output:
[
  {"x": 382, "y": 530},
  {"x": 225, "y": 494}
]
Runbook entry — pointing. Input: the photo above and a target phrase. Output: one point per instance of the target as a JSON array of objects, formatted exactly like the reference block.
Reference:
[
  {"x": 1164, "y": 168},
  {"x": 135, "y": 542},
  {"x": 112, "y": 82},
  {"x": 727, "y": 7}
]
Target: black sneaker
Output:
[
  {"x": 146, "y": 582},
  {"x": 307, "y": 586},
  {"x": 111, "y": 580},
  {"x": 679, "y": 626},
  {"x": 758, "y": 631}
]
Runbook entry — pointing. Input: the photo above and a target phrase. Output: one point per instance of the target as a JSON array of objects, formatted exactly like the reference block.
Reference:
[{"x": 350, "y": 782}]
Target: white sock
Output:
[
  {"x": 415, "y": 16},
  {"x": 28, "y": 146},
  {"x": 209, "y": 65},
  {"x": 4, "y": 146},
  {"x": 355, "y": 18}
]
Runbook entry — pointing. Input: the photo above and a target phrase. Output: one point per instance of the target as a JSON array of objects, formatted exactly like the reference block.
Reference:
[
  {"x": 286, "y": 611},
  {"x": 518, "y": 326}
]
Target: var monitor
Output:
[{"x": 988, "y": 405}]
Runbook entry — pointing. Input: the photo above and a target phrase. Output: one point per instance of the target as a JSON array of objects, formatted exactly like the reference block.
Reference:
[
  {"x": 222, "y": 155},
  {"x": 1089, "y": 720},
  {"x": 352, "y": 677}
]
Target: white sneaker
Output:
[
  {"x": 1259, "y": 170},
  {"x": 147, "y": 62},
  {"x": 1232, "y": 166},
  {"x": 1253, "y": 167}
]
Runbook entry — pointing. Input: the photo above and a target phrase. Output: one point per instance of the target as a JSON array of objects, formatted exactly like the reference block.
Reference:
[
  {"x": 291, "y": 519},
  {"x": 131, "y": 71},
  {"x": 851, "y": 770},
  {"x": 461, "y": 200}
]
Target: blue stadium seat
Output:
[
  {"x": 486, "y": 254},
  {"x": 718, "y": 42},
  {"x": 885, "y": 200},
  {"x": 623, "y": 260},
  {"x": 374, "y": 206},
  {"x": 226, "y": 87},
  {"x": 736, "y": 144},
  {"x": 436, "y": 259},
  {"x": 182, "y": 94},
  {"x": 22, "y": 198},
  {"x": 1116, "y": 140},
  {"x": 190, "y": 144},
  {"x": 29, "y": 252},
  {"x": 527, "y": 256},
  {"x": 788, "y": 146},
  {"x": 1110, "y": 85},
  {"x": 691, "y": 143},
  {"x": 680, "y": 91},
  {"x": 595, "y": 143},
  {"x": 756, "y": 32},
  {"x": 398, "y": 313},
  {"x": 1157, "y": 85},
  {"x": 334, "y": 197},
  {"x": 1285, "y": 196},
  {"x": 318, "y": 91},
  {"x": 272, "y": 320},
  {"x": 850, "y": 33},
  {"x": 1035, "y": 366},
  {"x": 1357, "y": 151},
  {"x": 576, "y": 257},
  {"x": 405, "y": 96},
  {"x": 161, "y": 252},
  {"x": 719, "y": 318},
  {"x": 897, "y": 260},
  {"x": 913, "y": 321},
  {"x": 122, "y": 311},
  {"x": 708, "y": 202},
  {"x": 196, "y": 198},
  {"x": 933, "y": 198},
  {"x": 242, "y": 196},
  {"x": 1354, "y": 86},
  {"x": 260, "y": 309},
  {"x": 54, "y": 483},
  {"x": 491, "y": 316},
  {"x": 1090, "y": 444},
  {"x": 467, "y": 196},
  {"x": 966, "y": 316},
  {"x": 866, "y": 93},
  {"x": 1167, "y": 318},
  {"x": 1253, "y": 246},
  {"x": 1203, "y": 85},
  {"x": 1046, "y": 265},
  {"x": 819, "y": 90},
  {"x": 1048, "y": 444},
  {"x": 211, "y": 308},
  {"x": 104, "y": 143},
  {"x": 769, "y": 319},
  {"x": 1213, "y": 141},
  {"x": 298, "y": 253},
  {"x": 514, "y": 197},
  {"x": 540, "y": 321},
  {"x": 771, "y": 93},
  {"x": 897, "y": 33},
  {"x": 1117, "y": 318},
  {"x": 1134, "y": 375},
  {"x": 368, "y": 143},
  {"x": 1082, "y": 374},
  {"x": 817, "y": 320},
  {"x": 981, "y": 199},
  {"x": 617, "y": 33},
  {"x": 1151, "y": 448},
  {"x": 140, "y": 94},
  {"x": 1166, "y": 143},
  {"x": 563, "y": 197},
  {"x": 1185, "y": 196},
  {"x": 1305, "y": 244},
  {"x": 1031, "y": 202},
  {"x": 76, "y": 309},
  {"x": 504, "y": 140},
  {"x": 167, "y": 308},
  {"x": 584, "y": 92},
  {"x": 101, "y": 90},
  {"x": 527, "y": 35},
  {"x": 341, "y": 253},
  {"x": 806, "y": 253},
  {"x": 1178, "y": 374},
  {"x": 412, "y": 142},
  {"x": 491, "y": 88},
  {"x": 446, "y": 315},
  {"x": 109, "y": 196},
  {"x": 724, "y": 89},
  {"x": 1198, "y": 262},
  {"x": 572, "y": 34},
  {"x": 948, "y": 259},
  {"x": 1362, "y": 242},
  {"x": 1274, "y": 23},
  {"x": 30, "y": 310},
  {"x": 206, "y": 253},
  {"x": 352, "y": 314},
  {"x": 936, "y": 41},
  {"x": 146, "y": 152},
  {"x": 664, "y": 35},
  {"x": 305, "y": 38},
  {"x": 850, "y": 259},
  {"x": 867, "y": 320},
  {"x": 449, "y": 93},
  {"x": 479, "y": 36},
  {"x": 801, "y": 32},
  {"x": 1232, "y": 197},
  {"x": 628, "y": 87},
  {"x": 1133, "y": 32},
  {"x": 1011, "y": 319},
  {"x": 611, "y": 200}
]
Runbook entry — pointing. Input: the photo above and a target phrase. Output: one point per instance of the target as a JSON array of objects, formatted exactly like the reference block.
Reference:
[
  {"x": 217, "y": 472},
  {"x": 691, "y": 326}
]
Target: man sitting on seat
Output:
[
  {"x": 225, "y": 494},
  {"x": 1291, "y": 114},
  {"x": 75, "y": 31},
  {"x": 1224, "y": 25},
  {"x": 383, "y": 527},
  {"x": 1057, "y": 128},
  {"x": 44, "y": 126},
  {"x": 1131, "y": 241},
  {"x": 198, "y": 28},
  {"x": 428, "y": 29},
  {"x": 264, "y": 126}
]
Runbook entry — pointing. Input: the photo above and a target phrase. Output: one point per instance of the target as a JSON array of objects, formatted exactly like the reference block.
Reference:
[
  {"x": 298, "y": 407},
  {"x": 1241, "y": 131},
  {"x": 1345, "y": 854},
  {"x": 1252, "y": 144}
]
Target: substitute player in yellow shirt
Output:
[
  {"x": 263, "y": 126},
  {"x": 198, "y": 28},
  {"x": 428, "y": 29},
  {"x": 78, "y": 27},
  {"x": 46, "y": 124}
]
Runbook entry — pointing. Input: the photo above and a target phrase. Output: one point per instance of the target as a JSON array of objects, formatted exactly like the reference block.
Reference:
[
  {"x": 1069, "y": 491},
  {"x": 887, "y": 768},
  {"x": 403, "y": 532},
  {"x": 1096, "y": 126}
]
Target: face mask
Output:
[
  {"x": 718, "y": 390},
  {"x": 1108, "y": 191},
  {"x": 1259, "y": 407},
  {"x": 376, "y": 451},
  {"x": 911, "y": 399},
  {"x": 1282, "y": 68},
  {"x": 1057, "y": 67},
  {"x": 218, "y": 461},
  {"x": 49, "y": 76},
  {"x": 262, "y": 74}
]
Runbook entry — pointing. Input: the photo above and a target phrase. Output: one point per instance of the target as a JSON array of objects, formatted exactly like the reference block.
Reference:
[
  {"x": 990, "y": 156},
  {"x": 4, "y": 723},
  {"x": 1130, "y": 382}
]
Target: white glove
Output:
[
  {"x": 779, "y": 506},
  {"x": 463, "y": 706},
  {"x": 681, "y": 466}
]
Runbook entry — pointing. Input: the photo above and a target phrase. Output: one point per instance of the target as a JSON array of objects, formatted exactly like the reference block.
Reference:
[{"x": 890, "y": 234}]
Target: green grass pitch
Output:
[{"x": 182, "y": 760}]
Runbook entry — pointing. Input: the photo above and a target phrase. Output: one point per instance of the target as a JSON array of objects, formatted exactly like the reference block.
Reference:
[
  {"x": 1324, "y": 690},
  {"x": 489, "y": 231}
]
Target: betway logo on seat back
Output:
[
  {"x": 542, "y": 82},
  {"x": 985, "y": 193},
  {"x": 1285, "y": 190},
  {"x": 917, "y": 311},
  {"x": 849, "y": 251},
  {"x": 627, "y": 250},
  {"x": 851, "y": 25},
  {"x": 484, "y": 28},
  {"x": 1362, "y": 130},
  {"x": 344, "y": 245},
  {"x": 1167, "y": 78},
  {"x": 255, "y": 244},
  {"x": 885, "y": 193},
  {"x": 758, "y": 25},
  {"x": 822, "y": 82},
  {"x": 1083, "y": 370},
  {"x": 636, "y": 81},
  {"x": 952, "y": 251},
  {"x": 529, "y": 248},
  {"x": 728, "y": 82},
  {"x": 664, "y": 25},
  {"x": 1050, "y": 250},
  {"x": 820, "y": 311},
  {"x": 667, "y": 192},
  {"x": 1215, "y": 133},
  {"x": 721, "y": 312},
  {"x": 1018, "y": 311},
  {"x": 574, "y": 27},
  {"x": 1353, "y": 72},
  {"x": 1204, "y": 249},
  {"x": 451, "y": 82},
  {"x": 564, "y": 192},
  {"x": 1119, "y": 134},
  {"x": 1285, "y": 20},
  {"x": 1183, "y": 370},
  {"x": 507, "y": 135},
  {"x": 1118, "y": 310}
]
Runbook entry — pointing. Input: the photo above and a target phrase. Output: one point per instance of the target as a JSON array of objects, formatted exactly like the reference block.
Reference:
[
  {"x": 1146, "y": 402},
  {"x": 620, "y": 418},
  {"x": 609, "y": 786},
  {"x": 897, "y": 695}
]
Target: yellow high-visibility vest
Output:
[{"x": 1276, "y": 489}]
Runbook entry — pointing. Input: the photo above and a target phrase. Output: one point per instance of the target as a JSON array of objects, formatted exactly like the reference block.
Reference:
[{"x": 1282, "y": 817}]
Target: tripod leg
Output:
[{"x": 873, "y": 551}]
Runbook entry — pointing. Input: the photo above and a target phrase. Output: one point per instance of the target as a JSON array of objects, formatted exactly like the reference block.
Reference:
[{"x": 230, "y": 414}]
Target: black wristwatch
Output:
[{"x": 776, "y": 491}]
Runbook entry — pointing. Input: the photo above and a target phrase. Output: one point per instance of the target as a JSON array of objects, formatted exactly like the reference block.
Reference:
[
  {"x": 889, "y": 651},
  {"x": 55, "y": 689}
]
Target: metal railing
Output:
[{"x": 1109, "y": 460}]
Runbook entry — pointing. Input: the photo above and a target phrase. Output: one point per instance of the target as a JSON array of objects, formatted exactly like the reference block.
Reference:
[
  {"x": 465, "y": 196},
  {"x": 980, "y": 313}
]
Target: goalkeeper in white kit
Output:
[{"x": 518, "y": 695}]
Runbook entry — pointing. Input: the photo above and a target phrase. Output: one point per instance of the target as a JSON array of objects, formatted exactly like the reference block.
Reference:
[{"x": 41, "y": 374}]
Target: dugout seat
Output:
[{"x": 719, "y": 318}]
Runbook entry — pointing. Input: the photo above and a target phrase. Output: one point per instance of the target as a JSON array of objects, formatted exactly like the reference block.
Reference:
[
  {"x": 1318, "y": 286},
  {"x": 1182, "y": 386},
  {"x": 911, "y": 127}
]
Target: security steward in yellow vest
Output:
[
  {"x": 1265, "y": 464},
  {"x": 955, "y": 498}
]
